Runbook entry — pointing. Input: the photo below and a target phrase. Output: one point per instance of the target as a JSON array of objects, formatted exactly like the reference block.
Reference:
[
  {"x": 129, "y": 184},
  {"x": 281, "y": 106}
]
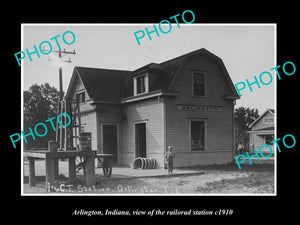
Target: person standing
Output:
[{"x": 169, "y": 156}]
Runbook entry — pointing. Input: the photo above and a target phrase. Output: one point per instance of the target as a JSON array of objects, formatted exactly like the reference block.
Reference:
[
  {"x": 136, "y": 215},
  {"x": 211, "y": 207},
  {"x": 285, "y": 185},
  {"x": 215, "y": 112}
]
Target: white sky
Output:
[{"x": 245, "y": 49}]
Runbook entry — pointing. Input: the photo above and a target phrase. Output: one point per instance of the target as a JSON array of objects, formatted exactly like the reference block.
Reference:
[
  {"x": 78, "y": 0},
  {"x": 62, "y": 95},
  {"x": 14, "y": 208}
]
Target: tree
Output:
[
  {"x": 40, "y": 104},
  {"x": 243, "y": 118}
]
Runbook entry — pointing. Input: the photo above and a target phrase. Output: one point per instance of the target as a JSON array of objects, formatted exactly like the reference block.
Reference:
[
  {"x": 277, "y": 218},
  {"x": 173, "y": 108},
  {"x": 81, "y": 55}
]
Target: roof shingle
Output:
[{"x": 102, "y": 84}]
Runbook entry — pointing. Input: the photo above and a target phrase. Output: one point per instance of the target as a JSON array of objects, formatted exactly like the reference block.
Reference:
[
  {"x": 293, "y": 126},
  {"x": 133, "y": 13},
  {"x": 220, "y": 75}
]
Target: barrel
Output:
[{"x": 85, "y": 141}]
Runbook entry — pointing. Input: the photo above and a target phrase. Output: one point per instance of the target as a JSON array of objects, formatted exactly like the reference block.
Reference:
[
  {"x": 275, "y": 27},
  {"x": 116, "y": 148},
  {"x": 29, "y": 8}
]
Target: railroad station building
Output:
[{"x": 186, "y": 102}]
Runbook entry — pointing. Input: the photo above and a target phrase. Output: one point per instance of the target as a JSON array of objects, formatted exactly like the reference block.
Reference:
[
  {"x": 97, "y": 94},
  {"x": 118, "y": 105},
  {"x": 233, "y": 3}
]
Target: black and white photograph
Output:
[
  {"x": 112, "y": 114},
  {"x": 149, "y": 115}
]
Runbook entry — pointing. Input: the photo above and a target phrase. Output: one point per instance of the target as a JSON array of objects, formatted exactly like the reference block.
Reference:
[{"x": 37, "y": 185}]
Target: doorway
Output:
[
  {"x": 140, "y": 140},
  {"x": 110, "y": 140}
]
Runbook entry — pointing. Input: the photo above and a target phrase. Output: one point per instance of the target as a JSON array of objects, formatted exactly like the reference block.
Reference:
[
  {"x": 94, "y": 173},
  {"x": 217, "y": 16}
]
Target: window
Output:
[
  {"x": 268, "y": 120},
  {"x": 140, "y": 84},
  {"x": 80, "y": 97},
  {"x": 197, "y": 129},
  {"x": 198, "y": 84},
  {"x": 269, "y": 138}
]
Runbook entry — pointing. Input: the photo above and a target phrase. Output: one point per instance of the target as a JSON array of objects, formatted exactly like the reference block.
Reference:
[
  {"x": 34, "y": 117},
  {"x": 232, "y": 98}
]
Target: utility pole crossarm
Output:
[
  {"x": 67, "y": 60},
  {"x": 64, "y": 51},
  {"x": 59, "y": 51}
]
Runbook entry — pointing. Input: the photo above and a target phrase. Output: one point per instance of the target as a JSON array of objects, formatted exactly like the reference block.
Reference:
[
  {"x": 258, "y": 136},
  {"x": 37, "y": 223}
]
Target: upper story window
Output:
[
  {"x": 140, "y": 84},
  {"x": 80, "y": 97},
  {"x": 268, "y": 120},
  {"x": 198, "y": 84}
]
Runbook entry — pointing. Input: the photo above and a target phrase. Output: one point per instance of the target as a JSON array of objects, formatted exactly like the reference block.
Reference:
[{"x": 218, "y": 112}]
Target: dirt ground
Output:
[
  {"x": 258, "y": 179},
  {"x": 222, "y": 179}
]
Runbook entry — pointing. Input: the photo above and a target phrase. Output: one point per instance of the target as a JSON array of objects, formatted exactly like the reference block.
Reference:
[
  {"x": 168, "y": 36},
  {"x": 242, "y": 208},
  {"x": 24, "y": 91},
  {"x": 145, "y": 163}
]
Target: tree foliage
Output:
[
  {"x": 243, "y": 118},
  {"x": 40, "y": 104}
]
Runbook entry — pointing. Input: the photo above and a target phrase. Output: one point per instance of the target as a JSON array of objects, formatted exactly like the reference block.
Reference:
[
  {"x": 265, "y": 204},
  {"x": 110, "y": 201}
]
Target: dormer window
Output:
[{"x": 140, "y": 84}]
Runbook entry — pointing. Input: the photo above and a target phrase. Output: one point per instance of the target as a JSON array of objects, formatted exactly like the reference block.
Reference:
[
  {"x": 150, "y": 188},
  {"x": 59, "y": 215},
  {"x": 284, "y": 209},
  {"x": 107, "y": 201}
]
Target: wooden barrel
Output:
[{"x": 85, "y": 141}]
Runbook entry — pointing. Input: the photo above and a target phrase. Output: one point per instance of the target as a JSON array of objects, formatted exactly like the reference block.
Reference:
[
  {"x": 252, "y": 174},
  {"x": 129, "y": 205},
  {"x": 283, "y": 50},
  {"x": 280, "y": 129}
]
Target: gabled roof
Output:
[
  {"x": 272, "y": 111},
  {"x": 150, "y": 66},
  {"x": 100, "y": 84},
  {"x": 113, "y": 85},
  {"x": 168, "y": 71},
  {"x": 261, "y": 116}
]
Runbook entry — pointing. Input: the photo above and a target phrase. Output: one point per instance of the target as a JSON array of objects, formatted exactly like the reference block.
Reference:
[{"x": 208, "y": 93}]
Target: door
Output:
[
  {"x": 110, "y": 140},
  {"x": 140, "y": 140}
]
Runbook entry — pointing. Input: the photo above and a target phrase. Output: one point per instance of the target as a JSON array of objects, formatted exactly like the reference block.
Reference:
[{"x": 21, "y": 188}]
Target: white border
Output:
[
  {"x": 135, "y": 24},
  {"x": 275, "y": 108}
]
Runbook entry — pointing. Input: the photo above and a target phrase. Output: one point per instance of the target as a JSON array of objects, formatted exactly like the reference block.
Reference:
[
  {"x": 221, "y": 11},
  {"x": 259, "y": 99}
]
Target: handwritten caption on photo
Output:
[{"x": 118, "y": 189}]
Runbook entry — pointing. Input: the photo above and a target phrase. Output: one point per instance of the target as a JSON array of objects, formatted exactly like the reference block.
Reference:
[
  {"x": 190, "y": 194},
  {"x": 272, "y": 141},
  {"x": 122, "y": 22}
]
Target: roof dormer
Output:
[{"x": 141, "y": 84}]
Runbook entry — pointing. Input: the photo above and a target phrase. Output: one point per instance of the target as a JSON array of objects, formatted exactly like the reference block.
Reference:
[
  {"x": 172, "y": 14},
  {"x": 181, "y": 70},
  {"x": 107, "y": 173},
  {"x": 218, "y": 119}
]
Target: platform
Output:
[
  {"x": 51, "y": 164},
  {"x": 118, "y": 172}
]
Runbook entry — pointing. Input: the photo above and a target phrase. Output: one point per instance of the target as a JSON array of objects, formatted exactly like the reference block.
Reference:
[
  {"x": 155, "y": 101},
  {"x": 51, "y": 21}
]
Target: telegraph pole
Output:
[{"x": 59, "y": 134}]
